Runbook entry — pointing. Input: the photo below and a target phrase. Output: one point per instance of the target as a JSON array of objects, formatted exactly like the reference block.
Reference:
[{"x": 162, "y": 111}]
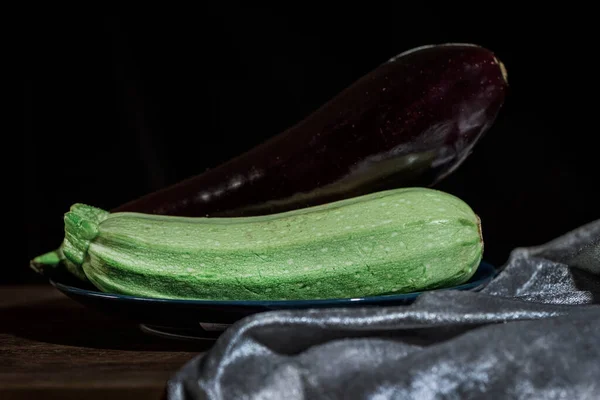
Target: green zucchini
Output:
[{"x": 393, "y": 241}]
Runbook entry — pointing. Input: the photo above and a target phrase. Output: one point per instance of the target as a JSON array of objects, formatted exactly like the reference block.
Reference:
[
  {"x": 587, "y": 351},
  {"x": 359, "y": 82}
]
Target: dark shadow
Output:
[
  {"x": 65, "y": 322},
  {"x": 586, "y": 281}
]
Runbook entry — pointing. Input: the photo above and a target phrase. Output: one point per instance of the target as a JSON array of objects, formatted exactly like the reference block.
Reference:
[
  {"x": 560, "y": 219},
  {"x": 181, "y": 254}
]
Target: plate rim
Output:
[{"x": 491, "y": 272}]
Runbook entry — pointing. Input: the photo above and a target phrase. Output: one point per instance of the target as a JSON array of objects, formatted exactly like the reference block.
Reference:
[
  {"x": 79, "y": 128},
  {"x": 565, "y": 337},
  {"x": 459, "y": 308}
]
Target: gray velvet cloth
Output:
[{"x": 532, "y": 333}]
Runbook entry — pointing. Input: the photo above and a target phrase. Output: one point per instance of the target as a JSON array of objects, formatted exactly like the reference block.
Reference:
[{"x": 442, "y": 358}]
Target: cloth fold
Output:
[{"x": 532, "y": 333}]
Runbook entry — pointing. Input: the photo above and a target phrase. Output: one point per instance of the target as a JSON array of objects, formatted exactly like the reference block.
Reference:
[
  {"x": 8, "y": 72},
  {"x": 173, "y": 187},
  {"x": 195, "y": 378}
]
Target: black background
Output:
[{"x": 118, "y": 106}]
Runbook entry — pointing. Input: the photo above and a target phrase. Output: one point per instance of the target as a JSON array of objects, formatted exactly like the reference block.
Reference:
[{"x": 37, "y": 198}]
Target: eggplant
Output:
[{"x": 409, "y": 122}]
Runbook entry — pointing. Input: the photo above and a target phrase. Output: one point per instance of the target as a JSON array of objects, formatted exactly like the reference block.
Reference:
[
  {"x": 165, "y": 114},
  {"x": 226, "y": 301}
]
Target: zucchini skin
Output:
[
  {"x": 394, "y": 241},
  {"x": 409, "y": 122}
]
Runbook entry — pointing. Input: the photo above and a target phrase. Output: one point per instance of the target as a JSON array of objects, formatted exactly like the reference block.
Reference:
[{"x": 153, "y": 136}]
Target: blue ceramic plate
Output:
[{"x": 193, "y": 318}]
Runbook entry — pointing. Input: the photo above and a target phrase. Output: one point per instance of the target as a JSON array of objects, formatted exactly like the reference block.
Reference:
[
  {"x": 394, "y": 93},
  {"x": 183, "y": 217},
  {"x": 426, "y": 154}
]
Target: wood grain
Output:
[{"x": 52, "y": 347}]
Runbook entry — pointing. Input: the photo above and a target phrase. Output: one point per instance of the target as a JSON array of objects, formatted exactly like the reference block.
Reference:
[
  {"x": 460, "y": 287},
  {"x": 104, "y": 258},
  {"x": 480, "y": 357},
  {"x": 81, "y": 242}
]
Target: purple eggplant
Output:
[{"x": 410, "y": 122}]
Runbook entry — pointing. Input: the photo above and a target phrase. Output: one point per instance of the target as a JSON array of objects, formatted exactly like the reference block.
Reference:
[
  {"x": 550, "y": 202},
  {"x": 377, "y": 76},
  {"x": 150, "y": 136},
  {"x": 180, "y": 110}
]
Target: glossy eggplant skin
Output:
[{"x": 410, "y": 122}]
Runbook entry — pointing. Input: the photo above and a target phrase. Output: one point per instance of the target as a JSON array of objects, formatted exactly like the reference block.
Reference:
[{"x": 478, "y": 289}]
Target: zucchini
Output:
[{"x": 394, "y": 241}]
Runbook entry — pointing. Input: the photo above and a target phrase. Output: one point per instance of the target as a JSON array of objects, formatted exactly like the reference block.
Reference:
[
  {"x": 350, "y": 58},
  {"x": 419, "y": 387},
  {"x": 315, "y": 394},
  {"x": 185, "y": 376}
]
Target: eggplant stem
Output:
[{"x": 502, "y": 69}]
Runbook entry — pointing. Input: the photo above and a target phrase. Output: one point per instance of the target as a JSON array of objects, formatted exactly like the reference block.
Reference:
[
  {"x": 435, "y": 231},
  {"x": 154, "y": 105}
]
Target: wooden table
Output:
[{"x": 53, "y": 348}]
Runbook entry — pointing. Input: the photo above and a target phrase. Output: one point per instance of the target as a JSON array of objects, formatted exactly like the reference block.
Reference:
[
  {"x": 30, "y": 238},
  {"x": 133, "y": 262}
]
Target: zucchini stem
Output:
[{"x": 47, "y": 262}]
